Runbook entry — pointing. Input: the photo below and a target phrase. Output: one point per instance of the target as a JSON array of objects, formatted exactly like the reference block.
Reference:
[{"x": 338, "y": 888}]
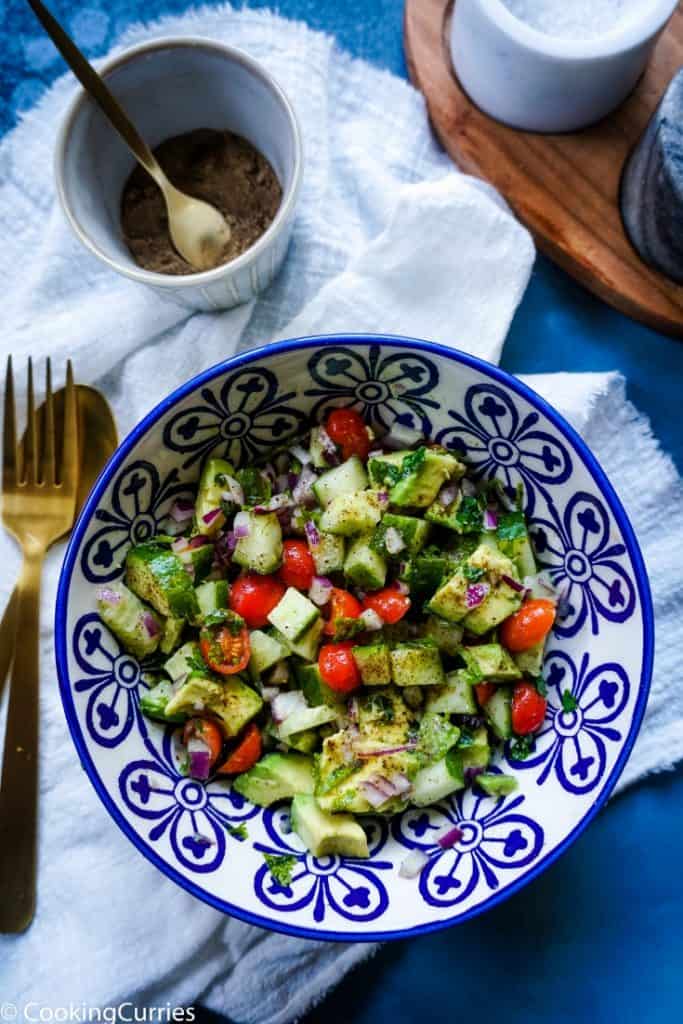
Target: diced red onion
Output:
[
  {"x": 371, "y": 620},
  {"x": 303, "y": 490},
  {"x": 151, "y": 625},
  {"x": 234, "y": 492},
  {"x": 385, "y": 751},
  {"x": 269, "y": 693},
  {"x": 542, "y": 586},
  {"x": 179, "y": 545},
  {"x": 320, "y": 590},
  {"x": 292, "y": 480},
  {"x": 312, "y": 534},
  {"x": 328, "y": 447},
  {"x": 210, "y": 516},
  {"x": 412, "y": 865},
  {"x": 400, "y": 782},
  {"x": 200, "y": 758},
  {"x": 476, "y": 593},
  {"x": 275, "y": 504},
  {"x": 301, "y": 454},
  {"x": 490, "y": 519},
  {"x": 472, "y": 772},
  {"x": 374, "y": 796},
  {"x": 198, "y": 542},
  {"x": 286, "y": 703},
  {"x": 450, "y": 838},
  {"x": 383, "y": 785},
  {"x": 467, "y": 488},
  {"x": 513, "y": 584},
  {"x": 401, "y": 437},
  {"x": 402, "y": 587},
  {"x": 181, "y": 510},
  {"x": 383, "y": 497},
  {"x": 241, "y": 525},
  {"x": 282, "y": 482},
  {"x": 108, "y": 596},
  {"x": 376, "y": 453},
  {"x": 448, "y": 494},
  {"x": 393, "y": 541}
]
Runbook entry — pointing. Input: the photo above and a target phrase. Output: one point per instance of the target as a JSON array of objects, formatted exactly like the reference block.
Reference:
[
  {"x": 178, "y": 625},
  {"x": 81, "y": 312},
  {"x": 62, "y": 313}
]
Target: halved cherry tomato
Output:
[
  {"x": 347, "y": 429},
  {"x": 342, "y": 605},
  {"x": 528, "y": 626},
  {"x": 528, "y": 709},
  {"x": 245, "y": 754},
  {"x": 225, "y": 648},
  {"x": 338, "y": 667},
  {"x": 484, "y": 692},
  {"x": 207, "y": 730},
  {"x": 390, "y": 604},
  {"x": 298, "y": 567},
  {"x": 254, "y": 597}
]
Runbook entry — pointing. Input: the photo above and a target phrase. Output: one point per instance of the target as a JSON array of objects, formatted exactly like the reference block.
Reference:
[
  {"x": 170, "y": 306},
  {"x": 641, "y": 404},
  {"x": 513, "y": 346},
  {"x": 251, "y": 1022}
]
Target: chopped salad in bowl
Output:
[{"x": 354, "y": 625}]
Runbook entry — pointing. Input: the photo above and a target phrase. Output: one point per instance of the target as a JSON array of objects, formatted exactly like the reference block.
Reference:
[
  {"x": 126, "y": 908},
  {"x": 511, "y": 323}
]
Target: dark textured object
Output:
[{"x": 652, "y": 187}]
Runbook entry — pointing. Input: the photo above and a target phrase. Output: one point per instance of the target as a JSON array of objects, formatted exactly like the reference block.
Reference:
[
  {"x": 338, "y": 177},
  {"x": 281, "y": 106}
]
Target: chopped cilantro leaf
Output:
[
  {"x": 522, "y": 747},
  {"x": 196, "y": 663},
  {"x": 412, "y": 462},
  {"x": 381, "y": 705},
  {"x": 511, "y": 526},
  {"x": 256, "y": 486},
  {"x": 281, "y": 867},
  {"x": 238, "y": 831},
  {"x": 539, "y": 683},
  {"x": 469, "y": 516},
  {"x": 569, "y": 701},
  {"x": 471, "y": 573},
  {"x": 214, "y": 618},
  {"x": 466, "y": 740},
  {"x": 385, "y": 473}
]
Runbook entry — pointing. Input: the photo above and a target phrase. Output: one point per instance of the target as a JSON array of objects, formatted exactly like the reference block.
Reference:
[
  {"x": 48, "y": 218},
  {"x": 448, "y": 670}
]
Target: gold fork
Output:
[{"x": 38, "y": 507}]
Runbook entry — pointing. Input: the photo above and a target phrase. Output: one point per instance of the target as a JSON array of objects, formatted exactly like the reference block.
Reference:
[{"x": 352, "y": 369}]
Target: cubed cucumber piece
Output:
[
  {"x": 198, "y": 562},
  {"x": 450, "y": 600},
  {"x": 472, "y": 750},
  {"x": 498, "y": 711},
  {"x": 276, "y": 777},
  {"x": 345, "y": 479},
  {"x": 318, "y": 449},
  {"x": 530, "y": 662},
  {"x": 153, "y": 703},
  {"x": 490, "y": 662},
  {"x": 135, "y": 625},
  {"x": 212, "y": 596},
  {"x": 266, "y": 651},
  {"x": 422, "y": 475},
  {"x": 374, "y": 664},
  {"x": 437, "y": 781},
  {"x": 212, "y": 484},
  {"x": 293, "y": 615},
  {"x": 306, "y": 742},
  {"x": 307, "y": 646},
  {"x": 348, "y": 514},
  {"x": 346, "y": 628},
  {"x": 436, "y": 737},
  {"x": 326, "y": 835},
  {"x": 171, "y": 635},
  {"x": 313, "y": 687},
  {"x": 261, "y": 549},
  {"x": 185, "y": 660},
  {"x": 308, "y": 718},
  {"x": 413, "y": 532},
  {"x": 513, "y": 540},
  {"x": 446, "y": 635},
  {"x": 158, "y": 576},
  {"x": 229, "y": 699},
  {"x": 497, "y": 606},
  {"x": 363, "y": 566},
  {"x": 455, "y": 698},
  {"x": 424, "y": 575},
  {"x": 328, "y": 553},
  {"x": 496, "y": 785},
  {"x": 417, "y": 664}
]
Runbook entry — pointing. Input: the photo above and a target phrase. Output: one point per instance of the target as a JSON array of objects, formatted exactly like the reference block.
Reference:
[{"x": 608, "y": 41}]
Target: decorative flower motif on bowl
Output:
[
  {"x": 248, "y": 414},
  {"x": 498, "y": 443},
  {"x": 385, "y": 389},
  {"x": 585, "y": 564},
  {"x": 495, "y": 838},
  {"x": 197, "y": 818},
  {"x": 345, "y": 886},
  {"x": 112, "y": 681},
  {"x": 139, "y": 505},
  {"x": 582, "y": 705}
]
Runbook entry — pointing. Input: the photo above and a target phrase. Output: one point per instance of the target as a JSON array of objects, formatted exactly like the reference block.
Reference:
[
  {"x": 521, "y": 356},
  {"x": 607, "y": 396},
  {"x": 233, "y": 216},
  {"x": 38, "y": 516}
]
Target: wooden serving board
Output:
[{"x": 565, "y": 188}]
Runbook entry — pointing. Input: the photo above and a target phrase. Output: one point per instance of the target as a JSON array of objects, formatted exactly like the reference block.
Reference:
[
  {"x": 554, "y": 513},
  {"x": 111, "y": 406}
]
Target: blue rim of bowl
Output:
[{"x": 293, "y": 345}]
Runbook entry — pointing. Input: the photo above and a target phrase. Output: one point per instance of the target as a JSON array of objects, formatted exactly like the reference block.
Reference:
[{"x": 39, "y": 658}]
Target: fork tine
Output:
[
  {"x": 69, "y": 470},
  {"x": 10, "y": 471},
  {"x": 31, "y": 443},
  {"x": 48, "y": 471}
]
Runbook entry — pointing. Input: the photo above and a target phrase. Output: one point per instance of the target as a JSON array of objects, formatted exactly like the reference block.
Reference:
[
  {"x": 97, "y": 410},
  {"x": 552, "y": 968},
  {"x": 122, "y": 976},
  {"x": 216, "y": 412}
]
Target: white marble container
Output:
[{"x": 168, "y": 87}]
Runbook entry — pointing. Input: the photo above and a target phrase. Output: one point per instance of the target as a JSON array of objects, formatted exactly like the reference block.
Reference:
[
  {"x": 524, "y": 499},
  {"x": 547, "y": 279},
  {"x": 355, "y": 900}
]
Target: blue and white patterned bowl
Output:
[{"x": 601, "y": 651}]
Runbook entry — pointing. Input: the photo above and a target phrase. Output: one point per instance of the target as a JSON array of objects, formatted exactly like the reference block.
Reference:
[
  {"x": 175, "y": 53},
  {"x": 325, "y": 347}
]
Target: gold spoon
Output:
[
  {"x": 198, "y": 230},
  {"x": 97, "y": 442}
]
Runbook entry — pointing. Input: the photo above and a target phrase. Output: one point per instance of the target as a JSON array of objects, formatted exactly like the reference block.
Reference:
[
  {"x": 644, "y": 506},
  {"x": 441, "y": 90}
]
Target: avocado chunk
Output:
[
  {"x": 513, "y": 540},
  {"x": 276, "y": 777},
  {"x": 153, "y": 703},
  {"x": 212, "y": 484},
  {"x": 463, "y": 515},
  {"x": 229, "y": 699},
  {"x": 374, "y": 664},
  {"x": 348, "y": 514},
  {"x": 261, "y": 549},
  {"x": 212, "y": 597},
  {"x": 348, "y": 478},
  {"x": 501, "y": 602},
  {"x": 436, "y": 737},
  {"x": 325, "y": 835},
  {"x": 314, "y": 689},
  {"x": 496, "y": 785},
  {"x": 384, "y": 719},
  {"x": 328, "y": 553},
  {"x": 131, "y": 622},
  {"x": 306, "y": 742},
  {"x": 171, "y": 635},
  {"x": 490, "y": 662},
  {"x": 455, "y": 698},
  {"x": 416, "y": 477},
  {"x": 530, "y": 662},
  {"x": 417, "y": 664},
  {"x": 158, "y": 576},
  {"x": 266, "y": 651},
  {"x": 412, "y": 532},
  {"x": 424, "y": 575},
  {"x": 293, "y": 615},
  {"x": 363, "y": 566},
  {"x": 446, "y": 635},
  {"x": 307, "y": 718},
  {"x": 450, "y": 600}
]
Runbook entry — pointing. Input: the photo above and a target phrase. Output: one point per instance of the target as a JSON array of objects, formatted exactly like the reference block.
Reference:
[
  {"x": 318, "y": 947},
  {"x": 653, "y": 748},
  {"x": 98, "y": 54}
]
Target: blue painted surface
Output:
[{"x": 598, "y": 937}]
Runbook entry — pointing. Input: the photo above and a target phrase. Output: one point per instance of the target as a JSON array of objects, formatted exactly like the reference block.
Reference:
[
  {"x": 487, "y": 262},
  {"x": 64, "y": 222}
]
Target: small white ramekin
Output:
[
  {"x": 544, "y": 83},
  {"x": 168, "y": 87}
]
